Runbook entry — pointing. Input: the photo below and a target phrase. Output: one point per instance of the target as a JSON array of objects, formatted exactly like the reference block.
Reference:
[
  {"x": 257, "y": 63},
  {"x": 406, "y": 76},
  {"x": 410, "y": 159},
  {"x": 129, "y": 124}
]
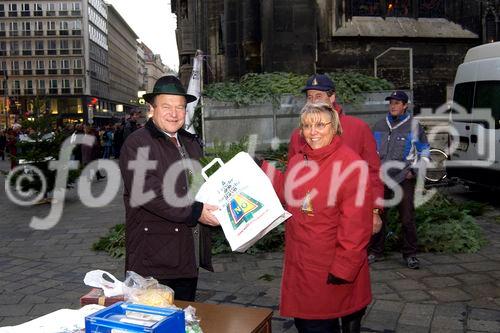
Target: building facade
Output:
[
  {"x": 304, "y": 36},
  {"x": 123, "y": 65},
  {"x": 154, "y": 67},
  {"x": 55, "y": 56}
]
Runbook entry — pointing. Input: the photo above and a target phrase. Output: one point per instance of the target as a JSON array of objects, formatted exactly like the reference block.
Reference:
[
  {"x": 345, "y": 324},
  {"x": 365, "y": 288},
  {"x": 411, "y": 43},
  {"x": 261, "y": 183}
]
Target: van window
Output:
[
  {"x": 464, "y": 95},
  {"x": 487, "y": 96}
]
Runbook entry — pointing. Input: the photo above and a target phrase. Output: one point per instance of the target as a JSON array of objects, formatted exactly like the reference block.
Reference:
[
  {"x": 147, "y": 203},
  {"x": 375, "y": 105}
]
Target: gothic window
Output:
[
  {"x": 431, "y": 8},
  {"x": 183, "y": 12},
  {"x": 490, "y": 28},
  {"x": 366, "y": 8},
  {"x": 399, "y": 8}
]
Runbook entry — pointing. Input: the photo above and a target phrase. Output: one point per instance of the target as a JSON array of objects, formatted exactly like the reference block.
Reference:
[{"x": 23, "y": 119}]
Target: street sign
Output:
[{"x": 90, "y": 116}]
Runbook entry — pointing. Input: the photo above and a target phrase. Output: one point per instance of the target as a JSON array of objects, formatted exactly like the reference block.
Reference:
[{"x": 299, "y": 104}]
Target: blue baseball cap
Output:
[
  {"x": 398, "y": 95},
  {"x": 319, "y": 82}
]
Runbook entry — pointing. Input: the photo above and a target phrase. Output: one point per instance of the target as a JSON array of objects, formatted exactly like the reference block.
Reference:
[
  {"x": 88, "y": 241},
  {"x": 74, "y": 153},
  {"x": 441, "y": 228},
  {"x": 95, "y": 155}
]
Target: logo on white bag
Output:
[
  {"x": 241, "y": 209},
  {"x": 240, "y": 206}
]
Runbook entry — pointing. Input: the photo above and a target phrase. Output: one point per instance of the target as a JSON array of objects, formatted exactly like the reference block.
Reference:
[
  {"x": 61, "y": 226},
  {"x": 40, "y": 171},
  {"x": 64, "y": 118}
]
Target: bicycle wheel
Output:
[{"x": 436, "y": 170}]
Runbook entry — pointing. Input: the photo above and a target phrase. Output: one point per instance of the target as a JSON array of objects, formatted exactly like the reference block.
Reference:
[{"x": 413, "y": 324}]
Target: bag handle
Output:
[{"x": 209, "y": 165}]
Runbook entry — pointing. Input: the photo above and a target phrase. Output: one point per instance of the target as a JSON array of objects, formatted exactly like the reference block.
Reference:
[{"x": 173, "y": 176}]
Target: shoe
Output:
[
  {"x": 373, "y": 257},
  {"x": 412, "y": 262}
]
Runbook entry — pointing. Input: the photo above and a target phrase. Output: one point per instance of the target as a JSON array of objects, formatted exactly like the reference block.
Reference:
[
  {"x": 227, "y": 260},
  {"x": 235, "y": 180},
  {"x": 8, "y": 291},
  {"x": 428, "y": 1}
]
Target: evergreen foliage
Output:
[{"x": 268, "y": 87}]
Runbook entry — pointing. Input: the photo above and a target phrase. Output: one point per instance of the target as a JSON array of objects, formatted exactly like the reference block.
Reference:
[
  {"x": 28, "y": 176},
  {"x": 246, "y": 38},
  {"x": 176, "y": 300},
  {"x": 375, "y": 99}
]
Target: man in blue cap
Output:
[
  {"x": 400, "y": 138},
  {"x": 356, "y": 135}
]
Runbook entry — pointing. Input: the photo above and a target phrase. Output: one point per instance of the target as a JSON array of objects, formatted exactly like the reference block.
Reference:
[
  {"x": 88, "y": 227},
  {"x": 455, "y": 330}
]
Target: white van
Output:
[{"x": 477, "y": 90}]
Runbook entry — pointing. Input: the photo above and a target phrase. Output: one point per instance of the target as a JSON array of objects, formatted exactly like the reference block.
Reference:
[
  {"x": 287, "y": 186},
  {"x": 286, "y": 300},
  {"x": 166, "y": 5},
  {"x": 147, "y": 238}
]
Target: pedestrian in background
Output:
[
  {"x": 117, "y": 140},
  {"x": 91, "y": 153},
  {"x": 107, "y": 142},
  {"x": 131, "y": 124},
  {"x": 401, "y": 138},
  {"x": 3, "y": 144}
]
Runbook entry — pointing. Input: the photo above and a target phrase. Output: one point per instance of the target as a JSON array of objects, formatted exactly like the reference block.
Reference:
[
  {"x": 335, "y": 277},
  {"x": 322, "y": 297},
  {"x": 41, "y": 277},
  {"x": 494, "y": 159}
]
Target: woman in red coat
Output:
[{"x": 325, "y": 274}]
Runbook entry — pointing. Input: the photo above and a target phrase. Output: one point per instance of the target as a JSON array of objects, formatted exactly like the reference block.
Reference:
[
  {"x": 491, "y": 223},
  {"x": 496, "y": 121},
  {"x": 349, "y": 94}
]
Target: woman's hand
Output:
[{"x": 377, "y": 223}]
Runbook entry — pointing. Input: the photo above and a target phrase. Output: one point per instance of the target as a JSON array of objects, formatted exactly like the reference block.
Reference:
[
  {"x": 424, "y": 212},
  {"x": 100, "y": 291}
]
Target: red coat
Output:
[
  {"x": 358, "y": 136},
  {"x": 334, "y": 240}
]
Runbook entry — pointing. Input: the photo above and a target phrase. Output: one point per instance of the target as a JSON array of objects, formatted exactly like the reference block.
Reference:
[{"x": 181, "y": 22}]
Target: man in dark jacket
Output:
[
  {"x": 131, "y": 124},
  {"x": 163, "y": 238},
  {"x": 3, "y": 143},
  {"x": 400, "y": 138}
]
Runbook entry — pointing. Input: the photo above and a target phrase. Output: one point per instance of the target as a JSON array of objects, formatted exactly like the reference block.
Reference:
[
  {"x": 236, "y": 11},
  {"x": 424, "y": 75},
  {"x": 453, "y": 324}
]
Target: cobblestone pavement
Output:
[{"x": 42, "y": 271}]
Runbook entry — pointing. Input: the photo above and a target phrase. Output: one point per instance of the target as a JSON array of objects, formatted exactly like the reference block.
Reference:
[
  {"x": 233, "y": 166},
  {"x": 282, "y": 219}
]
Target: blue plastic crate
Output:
[{"x": 108, "y": 319}]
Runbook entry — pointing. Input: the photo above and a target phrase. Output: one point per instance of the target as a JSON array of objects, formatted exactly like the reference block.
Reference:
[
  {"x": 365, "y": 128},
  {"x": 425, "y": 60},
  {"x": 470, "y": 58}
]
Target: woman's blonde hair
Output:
[{"x": 312, "y": 111}]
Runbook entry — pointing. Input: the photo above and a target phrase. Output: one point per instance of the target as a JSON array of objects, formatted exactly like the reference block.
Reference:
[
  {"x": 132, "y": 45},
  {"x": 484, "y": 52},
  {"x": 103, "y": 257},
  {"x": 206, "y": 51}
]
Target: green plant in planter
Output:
[
  {"x": 41, "y": 145},
  {"x": 268, "y": 87}
]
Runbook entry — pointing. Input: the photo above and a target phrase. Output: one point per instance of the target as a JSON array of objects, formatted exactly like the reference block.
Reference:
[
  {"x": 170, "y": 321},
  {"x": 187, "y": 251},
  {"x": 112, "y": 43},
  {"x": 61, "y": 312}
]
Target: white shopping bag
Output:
[{"x": 249, "y": 207}]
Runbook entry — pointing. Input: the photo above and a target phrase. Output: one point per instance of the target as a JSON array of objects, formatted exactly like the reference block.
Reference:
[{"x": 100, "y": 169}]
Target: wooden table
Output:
[{"x": 216, "y": 318}]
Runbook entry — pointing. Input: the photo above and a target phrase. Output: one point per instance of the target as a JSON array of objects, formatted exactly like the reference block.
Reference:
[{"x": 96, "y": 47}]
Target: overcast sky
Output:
[{"x": 155, "y": 25}]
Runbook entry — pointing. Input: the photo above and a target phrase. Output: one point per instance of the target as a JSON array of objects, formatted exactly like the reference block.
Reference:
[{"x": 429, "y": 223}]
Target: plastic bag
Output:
[
  {"x": 192, "y": 322},
  {"x": 104, "y": 280},
  {"x": 147, "y": 291}
]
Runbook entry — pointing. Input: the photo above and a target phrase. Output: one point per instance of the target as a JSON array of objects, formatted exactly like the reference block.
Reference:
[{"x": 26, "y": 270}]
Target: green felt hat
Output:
[{"x": 168, "y": 85}]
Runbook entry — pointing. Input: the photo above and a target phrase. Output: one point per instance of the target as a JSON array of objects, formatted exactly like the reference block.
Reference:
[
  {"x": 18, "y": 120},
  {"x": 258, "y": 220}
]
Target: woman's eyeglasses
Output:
[{"x": 318, "y": 126}]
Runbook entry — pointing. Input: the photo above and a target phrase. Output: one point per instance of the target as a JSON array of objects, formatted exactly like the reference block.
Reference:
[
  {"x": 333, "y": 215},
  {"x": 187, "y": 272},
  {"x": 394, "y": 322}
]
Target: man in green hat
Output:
[{"x": 167, "y": 233}]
